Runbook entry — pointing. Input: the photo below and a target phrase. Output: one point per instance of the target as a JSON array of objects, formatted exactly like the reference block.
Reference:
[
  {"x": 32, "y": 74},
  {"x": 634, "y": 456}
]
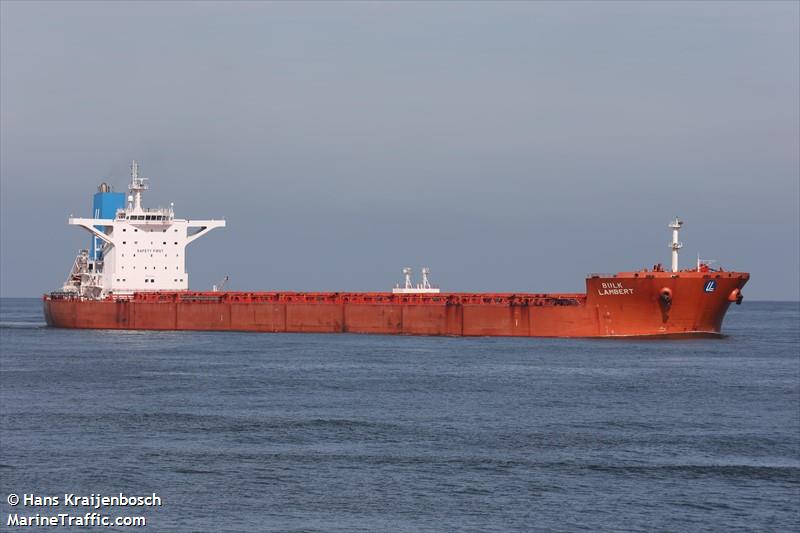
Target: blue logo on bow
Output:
[{"x": 711, "y": 286}]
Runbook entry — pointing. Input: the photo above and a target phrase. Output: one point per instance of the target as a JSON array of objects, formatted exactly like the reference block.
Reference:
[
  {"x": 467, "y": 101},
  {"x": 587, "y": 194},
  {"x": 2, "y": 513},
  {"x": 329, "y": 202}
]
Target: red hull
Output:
[{"x": 625, "y": 304}]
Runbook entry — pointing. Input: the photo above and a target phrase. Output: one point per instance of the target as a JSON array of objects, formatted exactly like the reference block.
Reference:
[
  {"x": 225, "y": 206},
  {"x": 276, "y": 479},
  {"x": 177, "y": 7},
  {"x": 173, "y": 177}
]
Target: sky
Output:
[{"x": 507, "y": 146}]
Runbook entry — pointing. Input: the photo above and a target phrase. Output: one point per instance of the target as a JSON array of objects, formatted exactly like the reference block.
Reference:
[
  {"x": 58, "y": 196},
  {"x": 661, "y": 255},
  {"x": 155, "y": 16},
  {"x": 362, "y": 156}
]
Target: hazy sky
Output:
[{"x": 508, "y": 146}]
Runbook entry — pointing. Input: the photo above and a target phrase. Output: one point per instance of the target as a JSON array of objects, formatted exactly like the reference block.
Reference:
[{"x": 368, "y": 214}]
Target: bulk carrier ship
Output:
[{"x": 134, "y": 276}]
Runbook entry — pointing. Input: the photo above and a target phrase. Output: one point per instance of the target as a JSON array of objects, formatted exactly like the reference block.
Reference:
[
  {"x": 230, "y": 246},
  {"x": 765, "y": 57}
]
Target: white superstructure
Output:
[{"x": 142, "y": 249}]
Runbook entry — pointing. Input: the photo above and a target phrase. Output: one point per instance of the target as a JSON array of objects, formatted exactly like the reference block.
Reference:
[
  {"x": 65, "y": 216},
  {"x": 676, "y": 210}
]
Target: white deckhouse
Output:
[{"x": 142, "y": 249}]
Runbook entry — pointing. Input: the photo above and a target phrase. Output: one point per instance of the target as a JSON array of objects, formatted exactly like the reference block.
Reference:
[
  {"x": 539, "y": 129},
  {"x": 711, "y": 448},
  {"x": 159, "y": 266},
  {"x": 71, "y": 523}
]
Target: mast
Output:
[
  {"x": 407, "y": 274},
  {"x": 426, "y": 284},
  {"x": 675, "y": 245},
  {"x": 136, "y": 187}
]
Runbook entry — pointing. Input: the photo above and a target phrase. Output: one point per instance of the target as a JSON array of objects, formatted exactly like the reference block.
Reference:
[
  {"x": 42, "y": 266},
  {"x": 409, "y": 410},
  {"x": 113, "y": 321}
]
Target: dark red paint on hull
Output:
[{"x": 625, "y": 304}]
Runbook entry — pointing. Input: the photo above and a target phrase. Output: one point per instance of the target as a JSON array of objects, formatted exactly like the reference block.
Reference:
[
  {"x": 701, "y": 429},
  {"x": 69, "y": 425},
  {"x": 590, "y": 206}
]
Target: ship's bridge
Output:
[{"x": 152, "y": 215}]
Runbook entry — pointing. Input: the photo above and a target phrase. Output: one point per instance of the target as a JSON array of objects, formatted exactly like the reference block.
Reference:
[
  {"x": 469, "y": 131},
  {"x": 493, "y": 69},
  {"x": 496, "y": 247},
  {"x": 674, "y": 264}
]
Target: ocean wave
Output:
[{"x": 23, "y": 325}]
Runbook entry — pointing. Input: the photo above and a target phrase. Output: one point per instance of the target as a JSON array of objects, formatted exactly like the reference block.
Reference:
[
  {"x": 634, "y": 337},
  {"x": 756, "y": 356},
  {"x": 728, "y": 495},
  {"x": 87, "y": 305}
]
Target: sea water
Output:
[{"x": 294, "y": 432}]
